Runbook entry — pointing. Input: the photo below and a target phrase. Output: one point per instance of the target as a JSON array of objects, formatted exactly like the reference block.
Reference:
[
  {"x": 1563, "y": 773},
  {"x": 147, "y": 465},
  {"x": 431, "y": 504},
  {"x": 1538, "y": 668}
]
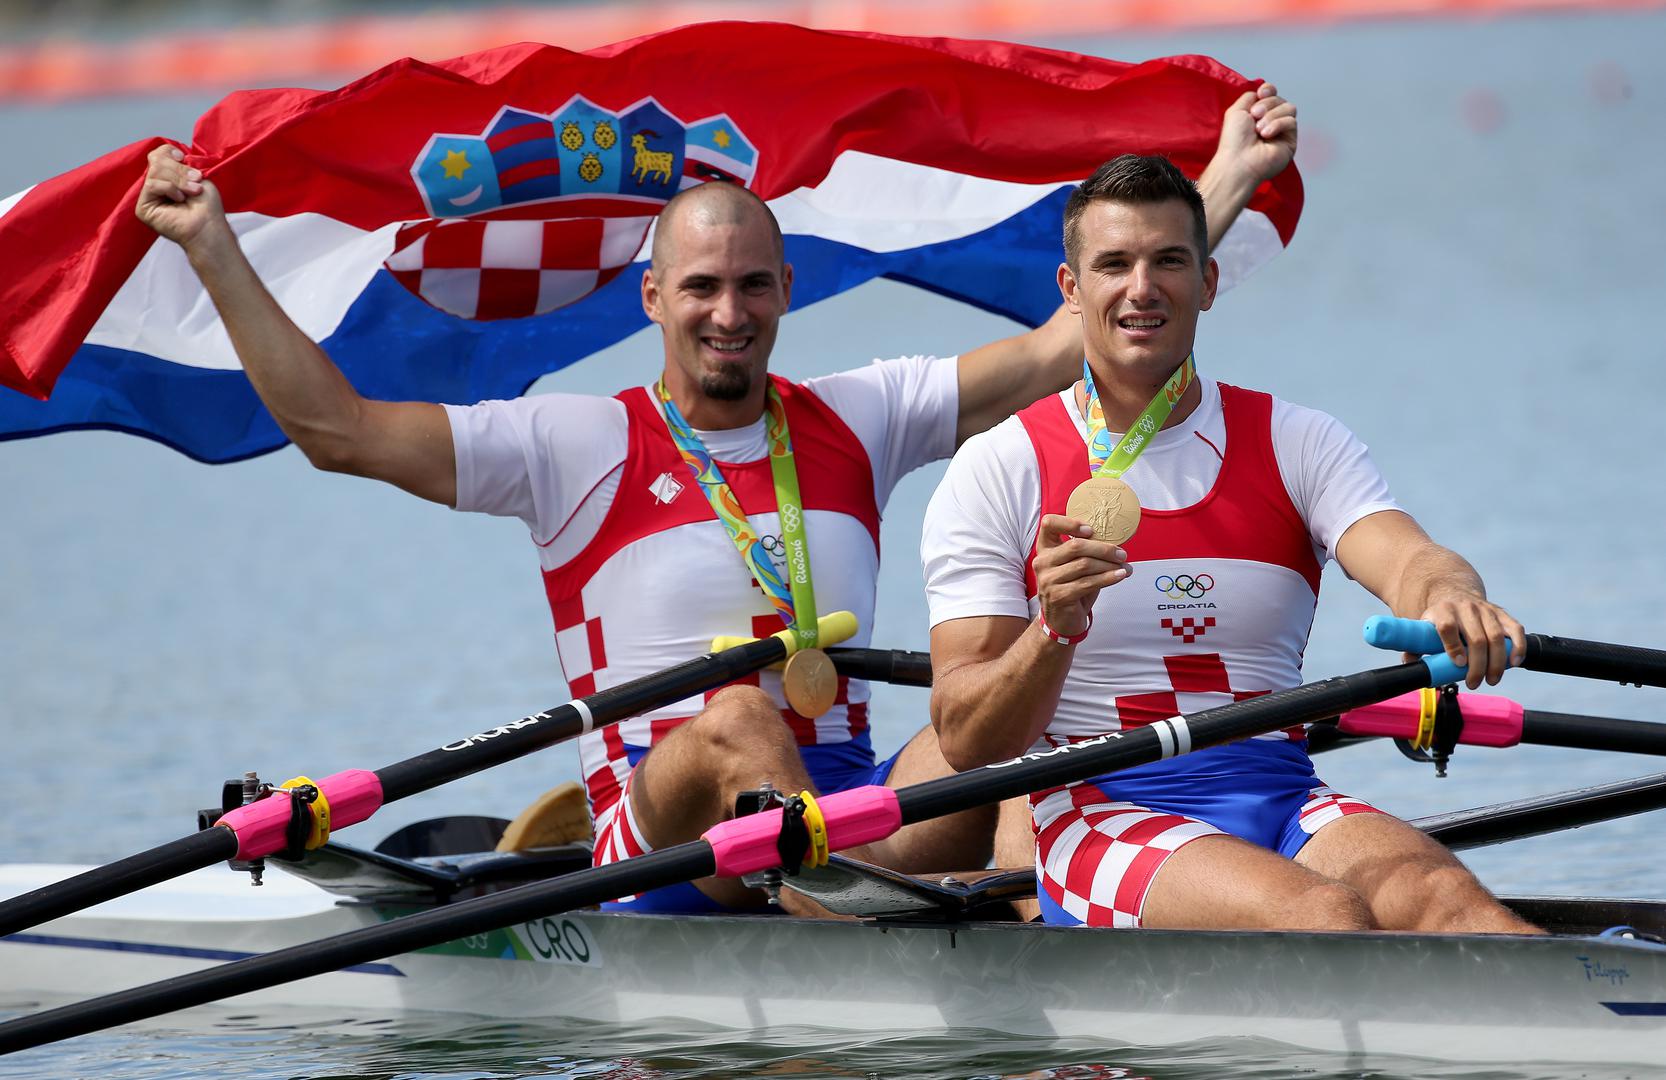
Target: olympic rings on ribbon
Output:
[{"x": 1176, "y": 588}]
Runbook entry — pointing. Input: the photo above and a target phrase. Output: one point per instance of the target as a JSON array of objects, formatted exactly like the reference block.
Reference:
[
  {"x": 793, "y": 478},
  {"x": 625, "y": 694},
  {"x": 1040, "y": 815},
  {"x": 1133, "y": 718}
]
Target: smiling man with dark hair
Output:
[{"x": 1056, "y": 615}]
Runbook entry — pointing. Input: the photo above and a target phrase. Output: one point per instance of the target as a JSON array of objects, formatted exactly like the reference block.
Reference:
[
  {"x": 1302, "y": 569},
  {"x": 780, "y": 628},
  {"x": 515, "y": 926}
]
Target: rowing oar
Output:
[
  {"x": 265, "y": 827},
  {"x": 1556, "y": 655},
  {"x": 1488, "y": 720},
  {"x": 740, "y": 846},
  {"x": 1491, "y": 720},
  {"x": 897, "y": 666},
  {"x": 1484, "y": 825}
]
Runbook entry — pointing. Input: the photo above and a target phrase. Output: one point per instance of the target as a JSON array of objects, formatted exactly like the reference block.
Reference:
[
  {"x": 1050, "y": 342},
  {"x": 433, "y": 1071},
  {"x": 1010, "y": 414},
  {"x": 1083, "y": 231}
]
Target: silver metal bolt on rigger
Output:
[
  {"x": 756, "y": 801},
  {"x": 235, "y": 793}
]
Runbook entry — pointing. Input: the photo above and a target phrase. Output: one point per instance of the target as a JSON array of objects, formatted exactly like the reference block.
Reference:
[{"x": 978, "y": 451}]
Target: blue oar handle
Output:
[
  {"x": 1403, "y": 635},
  {"x": 1419, "y": 638}
]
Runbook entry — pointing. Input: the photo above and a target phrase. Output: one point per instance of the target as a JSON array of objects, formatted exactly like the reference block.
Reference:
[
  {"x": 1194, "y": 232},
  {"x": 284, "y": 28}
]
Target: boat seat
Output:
[{"x": 848, "y": 886}]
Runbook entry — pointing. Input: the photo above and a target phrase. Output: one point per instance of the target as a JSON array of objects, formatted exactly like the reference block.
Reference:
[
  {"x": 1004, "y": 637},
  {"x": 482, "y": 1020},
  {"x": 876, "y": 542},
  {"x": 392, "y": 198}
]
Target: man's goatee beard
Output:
[{"x": 730, "y": 383}]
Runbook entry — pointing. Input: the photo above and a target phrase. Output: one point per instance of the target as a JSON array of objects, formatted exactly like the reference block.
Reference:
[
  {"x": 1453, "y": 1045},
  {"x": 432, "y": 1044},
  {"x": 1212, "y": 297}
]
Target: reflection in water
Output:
[{"x": 320, "y": 1047}]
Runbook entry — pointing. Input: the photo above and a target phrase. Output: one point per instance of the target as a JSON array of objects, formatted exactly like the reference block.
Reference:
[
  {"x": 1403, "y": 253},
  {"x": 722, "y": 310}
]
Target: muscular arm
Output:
[
  {"x": 996, "y": 679},
  {"x": 404, "y": 443},
  {"x": 1391, "y": 555},
  {"x": 1258, "y": 139},
  {"x": 995, "y": 685}
]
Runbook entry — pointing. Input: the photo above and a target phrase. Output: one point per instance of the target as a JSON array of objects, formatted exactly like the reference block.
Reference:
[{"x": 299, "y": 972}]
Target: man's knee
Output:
[
  {"x": 1330, "y": 905},
  {"x": 741, "y": 721},
  {"x": 1448, "y": 898}
]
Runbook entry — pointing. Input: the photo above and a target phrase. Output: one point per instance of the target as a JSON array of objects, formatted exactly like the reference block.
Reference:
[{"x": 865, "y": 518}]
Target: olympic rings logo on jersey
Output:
[
  {"x": 774, "y": 545},
  {"x": 1184, "y": 585}
]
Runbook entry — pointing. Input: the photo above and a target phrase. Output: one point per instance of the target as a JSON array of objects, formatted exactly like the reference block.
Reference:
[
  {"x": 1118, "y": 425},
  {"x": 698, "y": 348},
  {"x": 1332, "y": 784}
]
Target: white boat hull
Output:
[{"x": 1458, "y": 997}]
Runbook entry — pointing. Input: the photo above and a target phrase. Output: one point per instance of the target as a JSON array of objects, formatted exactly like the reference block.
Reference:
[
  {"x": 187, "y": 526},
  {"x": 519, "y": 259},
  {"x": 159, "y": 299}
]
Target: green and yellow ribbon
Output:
[
  {"x": 1106, "y": 460},
  {"x": 795, "y": 598}
]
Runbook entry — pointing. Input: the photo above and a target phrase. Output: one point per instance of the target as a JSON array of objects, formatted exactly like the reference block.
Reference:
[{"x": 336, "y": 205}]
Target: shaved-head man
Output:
[{"x": 654, "y": 513}]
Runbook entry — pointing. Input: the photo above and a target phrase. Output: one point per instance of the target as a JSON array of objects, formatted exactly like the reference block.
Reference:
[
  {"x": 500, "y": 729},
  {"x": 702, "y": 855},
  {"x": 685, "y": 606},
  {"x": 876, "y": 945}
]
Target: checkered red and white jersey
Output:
[{"x": 1223, "y": 589}]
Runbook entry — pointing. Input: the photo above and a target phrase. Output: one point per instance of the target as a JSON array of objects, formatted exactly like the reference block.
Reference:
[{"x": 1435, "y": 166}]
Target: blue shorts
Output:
[{"x": 838, "y": 767}]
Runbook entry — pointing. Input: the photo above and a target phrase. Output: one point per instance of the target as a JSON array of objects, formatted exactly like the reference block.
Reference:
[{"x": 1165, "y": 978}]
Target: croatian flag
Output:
[{"x": 452, "y": 231}]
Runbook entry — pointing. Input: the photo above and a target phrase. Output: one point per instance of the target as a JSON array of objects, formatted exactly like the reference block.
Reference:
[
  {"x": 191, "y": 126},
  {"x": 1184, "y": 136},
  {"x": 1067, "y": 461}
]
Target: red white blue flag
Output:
[{"x": 452, "y": 231}]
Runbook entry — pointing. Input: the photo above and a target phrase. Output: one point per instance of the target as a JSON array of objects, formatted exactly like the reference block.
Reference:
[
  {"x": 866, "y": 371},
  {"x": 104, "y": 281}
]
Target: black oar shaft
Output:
[
  {"x": 434, "y": 927},
  {"x": 895, "y": 666},
  {"x": 115, "y": 879},
  {"x": 1595, "y": 660},
  {"x": 1592, "y": 732},
  {"x": 401, "y": 779},
  {"x": 510, "y": 741},
  {"x": 1124, "y": 749},
  {"x": 1545, "y": 814}
]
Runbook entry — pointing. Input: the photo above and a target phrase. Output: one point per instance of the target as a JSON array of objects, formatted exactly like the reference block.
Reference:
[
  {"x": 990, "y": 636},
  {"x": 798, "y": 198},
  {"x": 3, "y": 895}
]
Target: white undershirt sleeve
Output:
[
  {"x": 976, "y": 536},
  {"x": 1328, "y": 472},
  {"x": 536, "y": 458},
  {"x": 904, "y": 411}
]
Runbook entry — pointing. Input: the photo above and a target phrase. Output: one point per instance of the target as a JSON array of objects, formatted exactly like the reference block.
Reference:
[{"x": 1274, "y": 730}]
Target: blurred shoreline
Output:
[{"x": 56, "y": 51}]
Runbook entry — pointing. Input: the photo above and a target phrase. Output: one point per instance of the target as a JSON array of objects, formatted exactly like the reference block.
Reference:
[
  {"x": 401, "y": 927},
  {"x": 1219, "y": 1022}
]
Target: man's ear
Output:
[
  {"x": 1211, "y": 278},
  {"x": 651, "y": 296},
  {"x": 1067, "y": 289},
  {"x": 786, "y": 286}
]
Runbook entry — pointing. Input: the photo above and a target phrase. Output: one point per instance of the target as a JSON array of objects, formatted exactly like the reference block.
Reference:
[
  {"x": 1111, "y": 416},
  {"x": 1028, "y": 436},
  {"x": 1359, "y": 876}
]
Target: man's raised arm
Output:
[
  {"x": 404, "y": 443},
  {"x": 1258, "y": 140}
]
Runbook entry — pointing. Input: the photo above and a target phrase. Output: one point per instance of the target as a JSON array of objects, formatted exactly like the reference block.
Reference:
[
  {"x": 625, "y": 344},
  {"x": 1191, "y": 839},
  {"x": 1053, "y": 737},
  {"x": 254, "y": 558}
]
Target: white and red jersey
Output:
[
  {"x": 639, "y": 573},
  {"x": 1244, "y": 500}
]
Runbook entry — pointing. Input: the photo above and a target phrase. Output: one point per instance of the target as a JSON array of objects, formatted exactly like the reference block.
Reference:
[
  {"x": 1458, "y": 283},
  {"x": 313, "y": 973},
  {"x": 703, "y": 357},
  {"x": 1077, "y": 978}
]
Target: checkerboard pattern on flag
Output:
[
  {"x": 513, "y": 269},
  {"x": 451, "y": 231}
]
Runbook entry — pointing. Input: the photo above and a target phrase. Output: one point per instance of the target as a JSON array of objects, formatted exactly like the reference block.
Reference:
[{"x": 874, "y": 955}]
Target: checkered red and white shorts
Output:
[
  {"x": 617, "y": 835},
  {"x": 1096, "y": 857}
]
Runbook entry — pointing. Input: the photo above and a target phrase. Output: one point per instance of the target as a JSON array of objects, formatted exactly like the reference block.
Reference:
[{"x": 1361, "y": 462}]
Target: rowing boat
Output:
[
  {"x": 434, "y": 919},
  {"x": 921, "y": 957}
]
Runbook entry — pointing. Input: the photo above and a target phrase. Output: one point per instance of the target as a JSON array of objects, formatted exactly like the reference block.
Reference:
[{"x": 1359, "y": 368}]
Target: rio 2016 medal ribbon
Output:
[
  {"x": 808, "y": 681},
  {"x": 793, "y": 594},
  {"x": 1103, "y": 501}
]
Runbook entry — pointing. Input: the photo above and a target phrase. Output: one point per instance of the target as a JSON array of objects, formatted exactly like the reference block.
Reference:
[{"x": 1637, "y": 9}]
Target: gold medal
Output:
[
  {"x": 810, "y": 682},
  {"x": 1108, "y": 506}
]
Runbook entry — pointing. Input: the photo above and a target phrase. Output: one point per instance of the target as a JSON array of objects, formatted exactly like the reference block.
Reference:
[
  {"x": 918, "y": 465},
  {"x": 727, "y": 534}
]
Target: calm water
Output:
[
  {"x": 1474, "y": 288},
  {"x": 246, "y": 1046}
]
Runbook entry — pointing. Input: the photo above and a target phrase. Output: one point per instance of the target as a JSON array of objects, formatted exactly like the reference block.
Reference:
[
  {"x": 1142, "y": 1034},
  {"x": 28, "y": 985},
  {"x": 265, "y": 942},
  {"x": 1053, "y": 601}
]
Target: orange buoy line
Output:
[{"x": 61, "y": 67}]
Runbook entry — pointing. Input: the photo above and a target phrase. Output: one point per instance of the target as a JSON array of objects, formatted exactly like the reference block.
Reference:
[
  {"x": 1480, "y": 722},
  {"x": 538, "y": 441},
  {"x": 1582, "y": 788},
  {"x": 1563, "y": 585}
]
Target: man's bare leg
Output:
[
  {"x": 1409, "y": 881},
  {"x": 958, "y": 842},
  {"x": 1224, "y": 883},
  {"x": 688, "y": 782},
  {"x": 1015, "y": 847}
]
